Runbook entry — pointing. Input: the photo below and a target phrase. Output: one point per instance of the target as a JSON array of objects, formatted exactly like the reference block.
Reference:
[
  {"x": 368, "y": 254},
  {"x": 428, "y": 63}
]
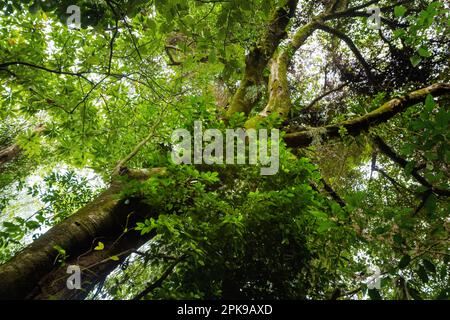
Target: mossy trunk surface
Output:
[
  {"x": 257, "y": 59},
  {"x": 278, "y": 85},
  {"x": 279, "y": 97}
]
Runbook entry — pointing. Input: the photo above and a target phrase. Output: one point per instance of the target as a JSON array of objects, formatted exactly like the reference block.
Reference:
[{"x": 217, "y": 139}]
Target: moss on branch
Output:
[{"x": 358, "y": 125}]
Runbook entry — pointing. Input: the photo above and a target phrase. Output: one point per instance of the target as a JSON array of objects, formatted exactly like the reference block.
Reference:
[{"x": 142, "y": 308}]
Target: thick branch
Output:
[
  {"x": 356, "y": 126},
  {"x": 258, "y": 58},
  {"x": 8, "y": 154},
  {"x": 34, "y": 274},
  {"x": 278, "y": 87},
  {"x": 279, "y": 96}
]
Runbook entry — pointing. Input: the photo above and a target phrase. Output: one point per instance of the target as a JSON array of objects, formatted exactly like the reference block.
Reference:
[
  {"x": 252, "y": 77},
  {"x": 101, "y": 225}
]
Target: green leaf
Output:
[
  {"x": 429, "y": 266},
  {"x": 212, "y": 56},
  {"x": 414, "y": 293},
  {"x": 430, "y": 104},
  {"x": 442, "y": 118},
  {"x": 381, "y": 230},
  {"x": 374, "y": 294},
  {"x": 11, "y": 226},
  {"x": 399, "y": 33},
  {"x": 100, "y": 246},
  {"x": 444, "y": 294},
  {"x": 398, "y": 239},
  {"x": 423, "y": 52},
  {"x": 319, "y": 214},
  {"x": 114, "y": 258},
  {"x": 415, "y": 60},
  {"x": 399, "y": 11},
  {"x": 59, "y": 249},
  {"x": 422, "y": 273},
  {"x": 431, "y": 204},
  {"x": 33, "y": 224},
  {"x": 409, "y": 167},
  {"x": 404, "y": 262},
  {"x": 325, "y": 226},
  {"x": 408, "y": 149}
]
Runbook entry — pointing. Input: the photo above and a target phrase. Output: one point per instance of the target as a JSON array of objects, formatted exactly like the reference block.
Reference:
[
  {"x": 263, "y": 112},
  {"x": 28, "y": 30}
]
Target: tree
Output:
[{"x": 360, "y": 99}]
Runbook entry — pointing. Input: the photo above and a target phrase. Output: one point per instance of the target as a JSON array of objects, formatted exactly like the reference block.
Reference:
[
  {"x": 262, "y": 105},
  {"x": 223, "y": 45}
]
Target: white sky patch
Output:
[{"x": 367, "y": 171}]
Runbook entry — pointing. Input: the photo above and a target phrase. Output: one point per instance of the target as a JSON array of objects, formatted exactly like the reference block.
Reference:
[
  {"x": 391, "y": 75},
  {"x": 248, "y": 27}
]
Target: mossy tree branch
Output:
[
  {"x": 279, "y": 95},
  {"x": 358, "y": 125},
  {"x": 258, "y": 58}
]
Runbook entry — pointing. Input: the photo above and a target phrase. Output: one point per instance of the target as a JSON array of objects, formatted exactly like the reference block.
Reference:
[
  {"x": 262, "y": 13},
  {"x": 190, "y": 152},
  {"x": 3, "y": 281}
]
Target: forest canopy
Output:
[{"x": 92, "y": 92}]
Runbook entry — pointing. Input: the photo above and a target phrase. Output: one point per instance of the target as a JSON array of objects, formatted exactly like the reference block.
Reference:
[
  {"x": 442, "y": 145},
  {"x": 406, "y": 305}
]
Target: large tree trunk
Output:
[
  {"x": 34, "y": 272},
  {"x": 8, "y": 154}
]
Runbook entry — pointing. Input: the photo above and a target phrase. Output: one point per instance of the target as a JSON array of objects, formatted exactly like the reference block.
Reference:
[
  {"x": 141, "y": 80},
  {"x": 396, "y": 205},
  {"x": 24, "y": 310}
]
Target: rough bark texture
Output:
[
  {"x": 34, "y": 272},
  {"x": 8, "y": 154},
  {"x": 257, "y": 59},
  {"x": 96, "y": 265},
  {"x": 356, "y": 126}
]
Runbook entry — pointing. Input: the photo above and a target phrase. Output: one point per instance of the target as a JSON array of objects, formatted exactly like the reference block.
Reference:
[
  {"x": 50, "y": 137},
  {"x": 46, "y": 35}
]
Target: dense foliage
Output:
[{"x": 83, "y": 106}]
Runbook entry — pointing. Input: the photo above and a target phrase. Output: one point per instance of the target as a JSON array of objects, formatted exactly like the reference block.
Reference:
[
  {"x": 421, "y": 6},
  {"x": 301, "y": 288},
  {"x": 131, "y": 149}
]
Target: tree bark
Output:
[
  {"x": 34, "y": 272},
  {"x": 258, "y": 58},
  {"x": 356, "y": 126},
  {"x": 8, "y": 154},
  {"x": 278, "y": 85}
]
